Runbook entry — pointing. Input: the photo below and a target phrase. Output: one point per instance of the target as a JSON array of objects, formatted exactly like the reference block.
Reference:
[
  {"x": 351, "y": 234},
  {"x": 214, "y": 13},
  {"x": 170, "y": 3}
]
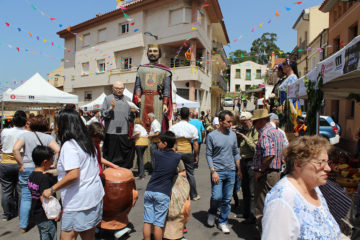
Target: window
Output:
[
  {"x": 258, "y": 74},
  {"x": 248, "y": 74},
  {"x": 323, "y": 123},
  {"x": 336, "y": 44},
  {"x": 88, "y": 96},
  {"x": 247, "y": 86},
  {"x": 352, "y": 110},
  {"x": 237, "y": 87},
  {"x": 124, "y": 28},
  {"x": 353, "y": 32},
  {"x": 85, "y": 68},
  {"x": 176, "y": 16},
  {"x": 86, "y": 40},
  {"x": 238, "y": 73},
  {"x": 127, "y": 63},
  {"x": 102, "y": 35},
  {"x": 101, "y": 65}
]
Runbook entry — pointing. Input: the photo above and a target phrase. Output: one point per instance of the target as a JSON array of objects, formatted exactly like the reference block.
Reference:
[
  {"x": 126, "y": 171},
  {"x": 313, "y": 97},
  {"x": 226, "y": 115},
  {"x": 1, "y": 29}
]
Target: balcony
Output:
[
  {"x": 219, "y": 49},
  {"x": 219, "y": 81}
]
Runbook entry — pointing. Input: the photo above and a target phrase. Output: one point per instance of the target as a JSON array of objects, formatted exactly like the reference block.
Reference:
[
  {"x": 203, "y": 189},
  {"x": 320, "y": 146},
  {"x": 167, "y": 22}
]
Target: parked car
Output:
[
  {"x": 228, "y": 102},
  {"x": 329, "y": 129}
]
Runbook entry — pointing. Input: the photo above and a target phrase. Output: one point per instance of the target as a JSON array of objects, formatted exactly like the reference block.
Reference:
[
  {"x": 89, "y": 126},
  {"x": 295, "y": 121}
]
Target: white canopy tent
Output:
[
  {"x": 182, "y": 102},
  {"x": 37, "y": 93},
  {"x": 297, "y": 90}
]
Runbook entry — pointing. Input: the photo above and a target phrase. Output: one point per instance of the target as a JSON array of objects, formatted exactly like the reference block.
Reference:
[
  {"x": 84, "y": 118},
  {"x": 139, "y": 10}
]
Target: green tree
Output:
[
  {"x": 240, "y": 56},
  {"x": 264, "y": 46}
]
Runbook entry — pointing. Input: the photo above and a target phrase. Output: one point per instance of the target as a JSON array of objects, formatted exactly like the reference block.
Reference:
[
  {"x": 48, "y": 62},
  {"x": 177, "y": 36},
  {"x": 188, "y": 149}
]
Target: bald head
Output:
[{"x": 118, "y": 88}]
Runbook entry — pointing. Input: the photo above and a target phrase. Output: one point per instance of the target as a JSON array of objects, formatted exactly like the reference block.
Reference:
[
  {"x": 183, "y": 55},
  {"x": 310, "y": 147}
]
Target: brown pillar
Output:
[{"x": 194, "y": 15}]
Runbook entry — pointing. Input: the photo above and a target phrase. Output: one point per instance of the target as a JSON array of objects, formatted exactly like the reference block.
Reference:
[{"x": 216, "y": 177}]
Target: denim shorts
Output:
[
  {"x": 156, "y": 206},
  {"x": 82, "y": 220}
]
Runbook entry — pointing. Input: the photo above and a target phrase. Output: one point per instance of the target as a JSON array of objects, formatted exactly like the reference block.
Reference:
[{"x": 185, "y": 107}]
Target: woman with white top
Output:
[
  {"x": 141, "y": 143},
  {"x": 79, "y": 181},
  {"x": 28, "y": 141},
  {"x": 290, "y": 69},
  {"x": 295, "y": 207},
  {"x": 9, "y": 169}
]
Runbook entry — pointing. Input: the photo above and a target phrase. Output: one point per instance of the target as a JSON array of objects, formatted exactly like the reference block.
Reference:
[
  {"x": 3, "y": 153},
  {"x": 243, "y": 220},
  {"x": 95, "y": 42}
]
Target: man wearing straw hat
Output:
[{"x": 267, "y": 159}]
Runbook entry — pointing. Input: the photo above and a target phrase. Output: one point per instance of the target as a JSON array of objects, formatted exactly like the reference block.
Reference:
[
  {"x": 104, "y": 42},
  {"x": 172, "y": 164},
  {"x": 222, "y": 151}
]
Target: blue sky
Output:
[{"x": 240, "y": 17}]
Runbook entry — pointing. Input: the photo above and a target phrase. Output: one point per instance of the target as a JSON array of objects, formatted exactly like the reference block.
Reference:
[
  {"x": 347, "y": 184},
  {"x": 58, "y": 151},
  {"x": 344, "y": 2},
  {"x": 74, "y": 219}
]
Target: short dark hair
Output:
[
  {"x": 81, "y": 112},
  {"x": 184, "y": 113},
  {"x": 223, "y": 113},
  {"x": 19, "y": 119},
  {"x": 168, "y": 137},
  {"x": 41, "y": 153},
  {"x": 96, "y": 129},
  {"x": 39, "y": 124}
]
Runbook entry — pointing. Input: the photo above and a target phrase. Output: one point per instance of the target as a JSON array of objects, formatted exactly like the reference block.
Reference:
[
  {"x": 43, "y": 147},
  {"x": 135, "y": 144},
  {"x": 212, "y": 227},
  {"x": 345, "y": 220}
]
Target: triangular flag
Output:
[
  {"x": 132, "y": 24},
  {"x": 125, "y": 15},
  {"x": 30, "y": 34},
  {"x": 269, "y": 21},
  {"x": 7, "y": 24},
  {"x": 253, "y": 29},
  {"x": 52, "y": 44},
  {"x": 277, "y": 14},
  {"x": 60, "y": 25},
  {"x": 18, "y": 49},
  {"x": 123, "y": 8},
  {"x": 206, "y": 5},
  {"x": 287, "y": 8},
  {"x": 19, "y": 29},
  {"x": 261, "y": 25},
  {"x": 68, "y": 28},
  {"x": 298, "y": 3},
  {"x": 37, "y": 37},
  {"x": 33, "y": 7},
  {"x": 52, "y": 19},
  {"x": 45, "y": 40}
]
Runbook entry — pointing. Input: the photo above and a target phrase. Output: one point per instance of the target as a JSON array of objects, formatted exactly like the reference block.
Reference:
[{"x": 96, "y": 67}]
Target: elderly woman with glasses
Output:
[{"x": 295, "y": 208}]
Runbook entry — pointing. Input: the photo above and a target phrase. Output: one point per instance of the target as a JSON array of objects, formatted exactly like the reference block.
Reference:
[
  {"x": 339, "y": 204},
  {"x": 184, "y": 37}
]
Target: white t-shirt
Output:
[
  {"x": 155, "y": 127},
  {"x": 9, "y": 136},
  {"x": 215, "y": 121},
  {"x": 141, "y": 129},
  {"x": 185, "y": 130},
  {"x": 87, "y": 191}
]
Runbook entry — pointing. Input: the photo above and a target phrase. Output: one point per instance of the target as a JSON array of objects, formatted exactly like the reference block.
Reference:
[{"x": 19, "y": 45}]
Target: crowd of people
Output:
[{"x": 279, "y": 180}]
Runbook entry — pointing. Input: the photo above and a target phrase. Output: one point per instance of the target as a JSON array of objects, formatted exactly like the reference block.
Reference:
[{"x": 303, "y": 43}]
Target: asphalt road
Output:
[{"x": 197, "y": 229}]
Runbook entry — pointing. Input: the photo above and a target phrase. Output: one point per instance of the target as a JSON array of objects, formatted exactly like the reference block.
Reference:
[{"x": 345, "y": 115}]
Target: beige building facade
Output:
[
  {"x": 111, "y": 46},
  {"x": 344, "y": 22},
  {"x": 246, "y": 74},
  {"x": 56, "y": 77},
  {"x": 309, "y": 25}
]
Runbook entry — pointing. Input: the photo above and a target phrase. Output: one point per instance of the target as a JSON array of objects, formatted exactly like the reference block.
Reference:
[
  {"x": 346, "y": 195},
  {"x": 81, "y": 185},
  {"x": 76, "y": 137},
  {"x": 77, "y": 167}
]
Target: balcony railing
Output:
[
  {"x": 220, "y": 81},
  {"x": 219, "y": 49}
]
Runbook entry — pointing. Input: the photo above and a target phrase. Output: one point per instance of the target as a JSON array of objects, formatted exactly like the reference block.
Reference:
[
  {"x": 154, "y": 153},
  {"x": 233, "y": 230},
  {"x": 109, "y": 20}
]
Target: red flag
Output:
[
  {"x": 298, "y": 3},
  {"x": 18, "y": 49},
  {"x": 7, "y": 24},
  {"x": 69, "y": 50},
  {"x": 52, "y": 19},
  {"x": 341, "y": 44},
  {"x": 206, "y": 5}
]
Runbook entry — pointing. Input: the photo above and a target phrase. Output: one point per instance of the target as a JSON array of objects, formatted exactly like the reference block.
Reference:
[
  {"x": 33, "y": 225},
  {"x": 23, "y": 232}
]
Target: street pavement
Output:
[{"x": 197, "y": 229}]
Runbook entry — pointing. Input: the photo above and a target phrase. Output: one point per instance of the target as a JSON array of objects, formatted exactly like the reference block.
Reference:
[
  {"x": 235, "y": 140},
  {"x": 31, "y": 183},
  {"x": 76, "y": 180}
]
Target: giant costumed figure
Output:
[{"x": 153, "y": 91}]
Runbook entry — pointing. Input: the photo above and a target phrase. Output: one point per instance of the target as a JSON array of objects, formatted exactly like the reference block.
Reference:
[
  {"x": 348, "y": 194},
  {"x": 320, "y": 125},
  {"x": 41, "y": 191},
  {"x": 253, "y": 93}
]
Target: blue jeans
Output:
[
  {"x": 25, "y": 204},
  {"x": 47, "y": 230},
  {"x": 221, "y": 195}
]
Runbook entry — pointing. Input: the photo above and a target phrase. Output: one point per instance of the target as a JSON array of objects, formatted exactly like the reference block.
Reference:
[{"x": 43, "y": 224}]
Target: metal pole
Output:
[
  {"x": 2, "y": 114},
  {"x": 317, "y": 122}
]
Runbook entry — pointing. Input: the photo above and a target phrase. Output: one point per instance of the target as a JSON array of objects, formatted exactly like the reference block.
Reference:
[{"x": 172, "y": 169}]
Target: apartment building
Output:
[
  {"x": 246, "y": 74},
  {"x": 111, "y": 46},
  {"x": 309, "y": 25},
  {"x": 56, "y": 77},
  {"x": 344, "y": 22}
]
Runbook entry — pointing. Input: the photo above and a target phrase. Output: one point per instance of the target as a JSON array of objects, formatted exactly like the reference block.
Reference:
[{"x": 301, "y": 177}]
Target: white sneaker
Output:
[
  {"x": 224, "y": 228},
  {"x": 211, "y": 220}
]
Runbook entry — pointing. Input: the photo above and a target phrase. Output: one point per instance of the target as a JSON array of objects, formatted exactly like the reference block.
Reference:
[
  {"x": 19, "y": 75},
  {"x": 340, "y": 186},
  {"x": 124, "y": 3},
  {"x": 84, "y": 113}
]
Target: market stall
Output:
[{"x": 182, "y": 102}]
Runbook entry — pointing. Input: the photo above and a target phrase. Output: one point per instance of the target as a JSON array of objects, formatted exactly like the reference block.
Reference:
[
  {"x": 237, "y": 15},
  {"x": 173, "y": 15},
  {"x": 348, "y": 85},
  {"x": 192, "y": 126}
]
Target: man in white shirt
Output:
[
  {"x": 95, "y": 118},
  {"x": 185, "y": 132},
  {"x": 9, "y": 168},
  {"x": 81, "y": 113},
  {"x": 274, "y": 121},
  {"x": 155, "y": 130}
]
